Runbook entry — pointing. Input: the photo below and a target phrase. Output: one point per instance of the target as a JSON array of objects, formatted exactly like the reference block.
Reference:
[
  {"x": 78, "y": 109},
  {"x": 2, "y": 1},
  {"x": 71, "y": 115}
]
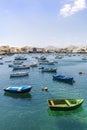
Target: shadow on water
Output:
[
  {"x": 21, "y": 77},
  {"x": 69, "y": 120},
  {"x": 65, "y": 113},
  {"x": 17, "y": 95}
]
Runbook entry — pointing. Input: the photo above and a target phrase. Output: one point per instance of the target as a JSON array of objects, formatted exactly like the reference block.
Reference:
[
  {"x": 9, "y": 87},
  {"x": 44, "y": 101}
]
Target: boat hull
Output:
[
  {"x": 69, "y": 80},
  {"x": 18, "y": 75},
  {"x": 17, "y": 89},
  {"x": 49, "y": 70},
  {"x": 22, "y": 67}
]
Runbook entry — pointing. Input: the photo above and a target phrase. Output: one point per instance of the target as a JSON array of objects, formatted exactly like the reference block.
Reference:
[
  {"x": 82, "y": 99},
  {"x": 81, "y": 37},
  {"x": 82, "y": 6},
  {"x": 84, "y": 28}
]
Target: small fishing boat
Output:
[
  {"x": 17, "y": 89},
  {"x": 47, "y": 63},
  {"x": 19, "y": 74},
  {"x": 19, "y": 57},
  {"x": 58, "y": 57},
  {"x": 7, "y": 61},
  {"x": 64, "y": 104},
  {"x": 63, "y": 78},
  {"x": 18, "y": 62},
  {"x": 10, "y": 65},
  {"x": 84, "y": 58},
  {"x": 18, "y": 67},
  {"x": 42, "y": 58},
  {"x": 33, "y": 64},
  {"x": 49, "y": 70}
]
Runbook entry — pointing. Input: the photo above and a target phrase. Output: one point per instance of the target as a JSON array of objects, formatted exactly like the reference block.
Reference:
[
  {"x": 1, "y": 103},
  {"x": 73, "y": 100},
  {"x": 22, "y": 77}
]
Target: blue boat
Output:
[
  {"x": 63, "y": 78},
  {"x": 17, "y": 89},
  {"x": 10, "y": 65}
]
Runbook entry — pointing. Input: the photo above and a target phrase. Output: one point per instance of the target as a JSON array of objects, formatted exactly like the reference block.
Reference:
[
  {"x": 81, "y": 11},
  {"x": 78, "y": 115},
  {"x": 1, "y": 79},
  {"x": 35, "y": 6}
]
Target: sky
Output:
[{"x": 41, "y": 23}]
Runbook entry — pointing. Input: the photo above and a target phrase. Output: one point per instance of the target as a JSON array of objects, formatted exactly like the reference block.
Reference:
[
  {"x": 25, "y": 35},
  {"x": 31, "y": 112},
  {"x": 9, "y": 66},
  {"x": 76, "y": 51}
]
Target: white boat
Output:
[
  {"x": 47, "y": 63},
  {"x": 17, "y": 62},
  {"x": 58, "y": 57},
  {"x": 18, "y": 67},
  {"x": 84, "y": 58},
  {"x": 54, "y": 70},
  {"x": 33, "y": 64},
  {"x": 19, "y": 74},
  {"x": 42, "y": 58}
]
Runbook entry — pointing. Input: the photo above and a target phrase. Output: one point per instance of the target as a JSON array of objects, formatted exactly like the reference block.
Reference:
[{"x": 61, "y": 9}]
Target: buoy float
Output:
[
  {"x": 74, "y": 81},
  {"x": 45, "y": 89},
  {"x": 81, "y": 73}
]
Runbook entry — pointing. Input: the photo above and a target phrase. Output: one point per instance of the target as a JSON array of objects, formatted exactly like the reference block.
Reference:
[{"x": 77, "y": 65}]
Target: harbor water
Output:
[{"x": 30, "y": 111}]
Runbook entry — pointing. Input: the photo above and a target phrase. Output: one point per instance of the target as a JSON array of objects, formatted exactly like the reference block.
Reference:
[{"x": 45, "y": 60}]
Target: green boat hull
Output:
[{"x": 65, "y": 104}]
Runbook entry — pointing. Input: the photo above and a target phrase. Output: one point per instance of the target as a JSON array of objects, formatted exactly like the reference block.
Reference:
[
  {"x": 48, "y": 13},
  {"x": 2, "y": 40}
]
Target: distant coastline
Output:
[{"x": 50, "y": 49}]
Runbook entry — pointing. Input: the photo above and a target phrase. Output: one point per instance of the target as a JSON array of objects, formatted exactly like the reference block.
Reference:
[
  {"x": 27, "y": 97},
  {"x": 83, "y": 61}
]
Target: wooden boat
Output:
[
  {"x": 64, "y": 104},
  {"x": 63, "y": 78},
  {"x": 17, "y": 89},
  {"x": 19, "y": 74},
  {"x": 49, "y": 70}
]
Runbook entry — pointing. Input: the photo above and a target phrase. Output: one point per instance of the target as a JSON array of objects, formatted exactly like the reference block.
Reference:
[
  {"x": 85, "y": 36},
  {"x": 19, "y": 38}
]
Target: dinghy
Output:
[
  {"x": 64, "y": 104},
  {"x": 18, "y": 89}
]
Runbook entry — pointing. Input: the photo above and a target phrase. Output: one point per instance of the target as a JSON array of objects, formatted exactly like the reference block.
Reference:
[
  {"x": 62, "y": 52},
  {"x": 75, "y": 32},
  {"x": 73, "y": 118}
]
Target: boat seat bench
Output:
[
  {"x": 52, "y": 102},
  {"x": 68, "y": 103}
]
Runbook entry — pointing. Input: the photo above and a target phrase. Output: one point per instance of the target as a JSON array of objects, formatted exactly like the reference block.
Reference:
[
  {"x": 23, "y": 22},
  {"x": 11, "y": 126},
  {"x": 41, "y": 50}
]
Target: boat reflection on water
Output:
[
  {"x": 65, "y": 113},
  {"x": 17, "y": 95}
]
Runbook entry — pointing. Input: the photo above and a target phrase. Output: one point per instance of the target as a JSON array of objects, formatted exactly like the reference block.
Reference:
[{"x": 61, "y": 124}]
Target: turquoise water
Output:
[{"x": 30, "y": 111}]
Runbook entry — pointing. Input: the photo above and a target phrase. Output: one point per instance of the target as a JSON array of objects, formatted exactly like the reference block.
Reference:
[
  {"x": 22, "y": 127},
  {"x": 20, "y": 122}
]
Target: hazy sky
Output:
[{"x": 43, "y": 22}]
